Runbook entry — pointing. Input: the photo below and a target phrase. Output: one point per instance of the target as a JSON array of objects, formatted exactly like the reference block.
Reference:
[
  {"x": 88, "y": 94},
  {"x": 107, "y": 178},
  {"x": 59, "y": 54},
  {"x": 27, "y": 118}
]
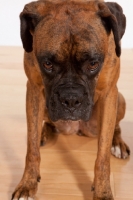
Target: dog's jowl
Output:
[{"x": 72, "y": 61}]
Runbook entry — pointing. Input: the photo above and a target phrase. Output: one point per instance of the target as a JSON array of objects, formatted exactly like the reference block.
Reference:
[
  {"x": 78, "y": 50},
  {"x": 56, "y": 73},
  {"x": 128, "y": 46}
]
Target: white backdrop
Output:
[{"x": 10, "y": 25}]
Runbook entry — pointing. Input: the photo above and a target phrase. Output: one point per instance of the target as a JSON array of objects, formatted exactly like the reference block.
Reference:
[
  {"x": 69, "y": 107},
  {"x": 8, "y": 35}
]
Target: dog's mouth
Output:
[{"x": 70, "y": 102}]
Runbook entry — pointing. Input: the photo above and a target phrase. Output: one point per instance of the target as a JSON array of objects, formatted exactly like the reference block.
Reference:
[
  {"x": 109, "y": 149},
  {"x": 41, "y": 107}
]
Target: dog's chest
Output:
[
  {"x": 77, "y": 127},
  {"x": 67, "y": 127}
]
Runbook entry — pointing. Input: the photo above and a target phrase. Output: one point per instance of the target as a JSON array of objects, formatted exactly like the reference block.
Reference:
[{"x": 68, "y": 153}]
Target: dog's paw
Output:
[
  {"x": 103, "y": 195},
  {"x": 103, "y": 198},
  {"x": 22, "y": 198},
  {"x": 26, "y": 190},
  {"x": 120, "y": 151}
]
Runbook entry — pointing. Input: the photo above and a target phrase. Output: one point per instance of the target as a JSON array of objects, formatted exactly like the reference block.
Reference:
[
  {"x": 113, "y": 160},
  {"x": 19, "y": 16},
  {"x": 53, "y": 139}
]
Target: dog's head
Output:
[{"x": 70, "y": 42}]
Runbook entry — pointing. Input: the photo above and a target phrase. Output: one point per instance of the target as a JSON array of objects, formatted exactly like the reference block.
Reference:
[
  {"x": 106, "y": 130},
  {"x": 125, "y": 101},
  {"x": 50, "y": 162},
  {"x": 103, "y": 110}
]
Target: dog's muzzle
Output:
[{"x": 70, "y": 102}]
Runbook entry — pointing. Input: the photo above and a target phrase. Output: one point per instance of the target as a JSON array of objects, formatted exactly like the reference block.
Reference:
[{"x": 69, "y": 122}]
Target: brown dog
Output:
[{"x": 72, "y": 62}]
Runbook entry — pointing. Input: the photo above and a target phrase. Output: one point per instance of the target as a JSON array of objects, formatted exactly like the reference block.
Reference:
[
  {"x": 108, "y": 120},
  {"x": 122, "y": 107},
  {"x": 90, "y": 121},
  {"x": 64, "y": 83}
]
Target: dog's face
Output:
[
  {"x": 70, "y": 60},
  {"x": 70, "y": 43}
]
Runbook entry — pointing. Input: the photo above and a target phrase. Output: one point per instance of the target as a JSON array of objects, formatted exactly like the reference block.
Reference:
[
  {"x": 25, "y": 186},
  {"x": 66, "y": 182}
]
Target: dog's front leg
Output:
[
  {"x": 107, "y": 106},
  {"x": 35, "y": 111}
]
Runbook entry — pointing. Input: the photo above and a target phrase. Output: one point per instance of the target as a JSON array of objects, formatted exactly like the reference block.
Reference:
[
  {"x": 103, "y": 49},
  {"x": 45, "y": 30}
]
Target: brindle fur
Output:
[{"x": 106, "y": 27}]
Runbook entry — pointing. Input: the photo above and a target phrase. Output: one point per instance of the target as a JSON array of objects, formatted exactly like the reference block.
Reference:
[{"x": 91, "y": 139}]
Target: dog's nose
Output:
[{"x": 71, "y": 102}]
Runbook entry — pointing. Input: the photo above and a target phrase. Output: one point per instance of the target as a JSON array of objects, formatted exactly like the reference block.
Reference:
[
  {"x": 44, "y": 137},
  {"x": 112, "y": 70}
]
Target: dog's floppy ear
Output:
[
  {"x": 117, "y": 11},
  {"x": 29, "y": 18},
  {"x": 113, "y": 17}
]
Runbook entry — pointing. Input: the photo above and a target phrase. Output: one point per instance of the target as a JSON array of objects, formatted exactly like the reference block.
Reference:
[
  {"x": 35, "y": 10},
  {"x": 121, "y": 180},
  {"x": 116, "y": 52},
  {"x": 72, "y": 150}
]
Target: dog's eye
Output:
[
  {"x": 48, "y": 66},
  {"x": 93, "y": 66}
]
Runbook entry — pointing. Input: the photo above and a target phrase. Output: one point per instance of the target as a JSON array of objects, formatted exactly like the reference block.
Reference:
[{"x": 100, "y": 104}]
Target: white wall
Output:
[
  {"x": 9, "y": 21},
  {"x": 10, "y": 25}
]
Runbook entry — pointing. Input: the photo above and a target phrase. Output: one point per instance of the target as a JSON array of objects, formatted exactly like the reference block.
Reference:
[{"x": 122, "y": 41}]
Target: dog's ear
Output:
[
  {"x": 117, "y": 11},
  {"x": 29, "y": 18},
  {"x": 113, "y": 17}
]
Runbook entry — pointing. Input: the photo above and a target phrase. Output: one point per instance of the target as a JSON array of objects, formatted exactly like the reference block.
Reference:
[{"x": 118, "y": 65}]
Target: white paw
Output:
[{"x": 116, "y": 151}]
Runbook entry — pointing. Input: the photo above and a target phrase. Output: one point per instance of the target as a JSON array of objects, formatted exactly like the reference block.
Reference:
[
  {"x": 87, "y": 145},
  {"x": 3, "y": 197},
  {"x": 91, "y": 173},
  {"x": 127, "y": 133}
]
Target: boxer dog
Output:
[{"x": 72, "y": 61}]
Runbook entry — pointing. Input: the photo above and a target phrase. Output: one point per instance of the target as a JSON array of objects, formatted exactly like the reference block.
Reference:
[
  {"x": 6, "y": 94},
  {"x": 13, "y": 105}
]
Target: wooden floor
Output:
[{"x": 67, "y": 161}]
